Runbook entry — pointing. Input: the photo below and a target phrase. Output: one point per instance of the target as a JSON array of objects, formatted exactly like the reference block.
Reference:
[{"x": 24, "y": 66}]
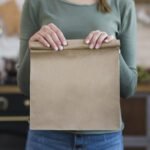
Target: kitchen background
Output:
[{"x": 14, "y": 107}]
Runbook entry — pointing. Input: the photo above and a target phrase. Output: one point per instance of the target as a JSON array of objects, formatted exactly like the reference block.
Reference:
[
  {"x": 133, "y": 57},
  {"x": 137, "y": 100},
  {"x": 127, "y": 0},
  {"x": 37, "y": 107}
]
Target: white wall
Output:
[
  {"x": 143, "y": 55},
  {"x": 19, "y": 2}
]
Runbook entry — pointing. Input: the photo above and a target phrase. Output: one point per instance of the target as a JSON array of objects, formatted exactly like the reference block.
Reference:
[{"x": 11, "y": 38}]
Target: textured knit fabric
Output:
[{"x": 76, "y": 22}]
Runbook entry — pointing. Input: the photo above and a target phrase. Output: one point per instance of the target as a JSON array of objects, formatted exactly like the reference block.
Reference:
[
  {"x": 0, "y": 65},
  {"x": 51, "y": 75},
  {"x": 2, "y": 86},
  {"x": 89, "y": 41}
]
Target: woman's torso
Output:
[{"x": 77, "y": 21}]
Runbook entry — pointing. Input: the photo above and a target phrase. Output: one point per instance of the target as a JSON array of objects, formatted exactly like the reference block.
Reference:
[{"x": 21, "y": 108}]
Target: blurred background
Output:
[{"x": 14, "y": 107}]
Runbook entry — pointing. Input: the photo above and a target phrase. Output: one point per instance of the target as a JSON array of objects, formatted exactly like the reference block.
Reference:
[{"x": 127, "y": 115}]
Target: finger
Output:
[
  {"x": 59, "y": 33},
  {"x": 94, "y": 39},
  {"x": 40, "y": 39},
  {"x": 109, "y": 38},
  {"x": 101, "y": 39},
  {"x": 56, "y": 40},
  {"x": 89, "y": 37},
  {"x": 49, "y": 39}
]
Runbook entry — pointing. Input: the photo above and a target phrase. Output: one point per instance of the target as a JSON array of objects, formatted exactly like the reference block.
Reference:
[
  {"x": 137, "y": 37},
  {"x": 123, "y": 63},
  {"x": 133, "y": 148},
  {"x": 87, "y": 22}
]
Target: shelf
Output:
[
  {"x": 145, "y": 88},
  {"x": 14, "y": 118},
  {"x": 13, "y": 89}
]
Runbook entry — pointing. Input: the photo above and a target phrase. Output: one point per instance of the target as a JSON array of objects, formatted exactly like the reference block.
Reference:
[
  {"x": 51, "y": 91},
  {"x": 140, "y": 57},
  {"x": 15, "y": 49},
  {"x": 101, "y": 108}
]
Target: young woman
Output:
[{"x": 52, "y": 22}]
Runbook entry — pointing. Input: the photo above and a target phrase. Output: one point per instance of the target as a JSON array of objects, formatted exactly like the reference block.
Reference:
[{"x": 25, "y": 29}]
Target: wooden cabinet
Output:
[
  {"x": 14, "y": 109},
  {"x": 14, "y": 114},
  {"x": 136, "y": 116}
]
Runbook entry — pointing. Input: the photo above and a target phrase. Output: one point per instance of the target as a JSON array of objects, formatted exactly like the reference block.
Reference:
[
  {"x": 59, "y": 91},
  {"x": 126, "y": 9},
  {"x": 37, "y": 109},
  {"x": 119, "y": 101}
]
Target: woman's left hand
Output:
[{"x": 96, "y": 38}]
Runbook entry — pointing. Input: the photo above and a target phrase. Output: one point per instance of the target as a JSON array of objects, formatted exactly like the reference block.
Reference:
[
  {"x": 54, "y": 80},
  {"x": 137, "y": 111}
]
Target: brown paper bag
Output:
[{"x": 75, "y": 89}]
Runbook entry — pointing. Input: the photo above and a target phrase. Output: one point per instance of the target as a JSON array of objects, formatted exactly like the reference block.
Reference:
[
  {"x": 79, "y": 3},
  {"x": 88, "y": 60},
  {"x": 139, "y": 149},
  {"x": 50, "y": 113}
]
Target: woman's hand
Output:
[
  {"x": 96, "y": 38},
  {"x": 50, "y": 36}
]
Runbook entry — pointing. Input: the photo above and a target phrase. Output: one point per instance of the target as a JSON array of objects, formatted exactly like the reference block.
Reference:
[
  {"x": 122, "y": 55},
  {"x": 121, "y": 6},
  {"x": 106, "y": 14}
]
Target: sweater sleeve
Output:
[
  {"x": 127, "y": 36},
  {"x": 28, "y": 27}
]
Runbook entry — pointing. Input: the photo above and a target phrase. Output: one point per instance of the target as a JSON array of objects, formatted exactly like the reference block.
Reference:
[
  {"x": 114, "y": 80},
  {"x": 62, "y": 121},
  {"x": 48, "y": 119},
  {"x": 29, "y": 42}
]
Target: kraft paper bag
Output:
[{"x": 75, "y": 89}]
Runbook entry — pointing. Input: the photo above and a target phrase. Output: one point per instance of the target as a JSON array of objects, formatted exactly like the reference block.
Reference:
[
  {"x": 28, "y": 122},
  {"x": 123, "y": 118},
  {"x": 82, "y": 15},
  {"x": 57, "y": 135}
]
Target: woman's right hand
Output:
[{"x": 50, "y": 36}]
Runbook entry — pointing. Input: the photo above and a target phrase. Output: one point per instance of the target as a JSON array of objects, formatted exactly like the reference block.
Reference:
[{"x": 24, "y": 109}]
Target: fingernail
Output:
[
  {"x": 87, "y": 41},
  {"x": 106, "y": 40},
  {"x": 64, "y": 43},
  {"x": 48, "y": 45},
  {"x": 91, "y": 46},
  {"x": 61, "y": 48},
  {"x": 97, "y": 46},
  {"x": 56, "y": 48}
]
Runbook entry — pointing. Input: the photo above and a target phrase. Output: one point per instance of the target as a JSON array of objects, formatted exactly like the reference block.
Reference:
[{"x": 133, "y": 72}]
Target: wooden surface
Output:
[
  {"x": 9, "y": 89},
  {"x": 143, "y": 88},
  {"x": 14, "y": 89},
  {"x": 14, "y": 118}
]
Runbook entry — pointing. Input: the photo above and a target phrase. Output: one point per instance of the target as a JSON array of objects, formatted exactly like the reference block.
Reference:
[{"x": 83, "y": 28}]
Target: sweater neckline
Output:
[{"x": 78, "y": 5}]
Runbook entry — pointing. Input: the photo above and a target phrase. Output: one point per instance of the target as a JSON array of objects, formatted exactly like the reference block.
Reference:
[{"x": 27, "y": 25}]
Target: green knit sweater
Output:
[{"x": 76, "y": 22}]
